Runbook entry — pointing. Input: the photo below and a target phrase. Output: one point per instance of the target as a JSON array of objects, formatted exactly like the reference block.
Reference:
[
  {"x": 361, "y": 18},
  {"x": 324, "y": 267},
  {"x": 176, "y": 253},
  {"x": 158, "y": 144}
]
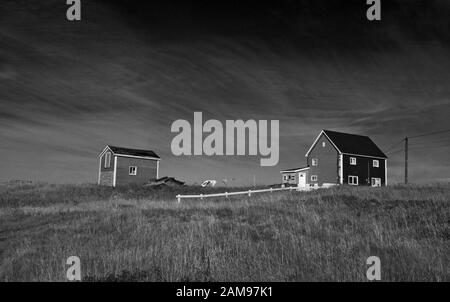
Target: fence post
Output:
[
  {"x": 226, "y": 194},
  {"x": 201, "y": 196},
  {"x": 249, "y": 192},
  {"x": 179, "y": 198},
  {"x": 270, "y": 190}
]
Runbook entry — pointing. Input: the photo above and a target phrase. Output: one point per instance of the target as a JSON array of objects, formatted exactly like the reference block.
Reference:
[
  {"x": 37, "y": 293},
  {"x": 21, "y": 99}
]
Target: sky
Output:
[{"x": 125, "y": 72}]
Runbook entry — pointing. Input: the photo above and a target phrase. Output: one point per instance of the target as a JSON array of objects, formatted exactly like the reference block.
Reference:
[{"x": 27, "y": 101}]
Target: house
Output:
[
  {"x": 122, "y": 166},
  {"x": 337, "y": 158}
]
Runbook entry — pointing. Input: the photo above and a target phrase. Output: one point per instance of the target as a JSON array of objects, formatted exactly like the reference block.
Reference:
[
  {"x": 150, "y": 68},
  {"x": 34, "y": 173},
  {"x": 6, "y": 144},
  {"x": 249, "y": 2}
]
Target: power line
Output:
[
  {"x": 395, "y": 145},
  {"x": 395, "y": 152},
  {"x": 430, "y": 147},
  {"x": 430, "y": 133},
  {"x": 429, "y": 143}
]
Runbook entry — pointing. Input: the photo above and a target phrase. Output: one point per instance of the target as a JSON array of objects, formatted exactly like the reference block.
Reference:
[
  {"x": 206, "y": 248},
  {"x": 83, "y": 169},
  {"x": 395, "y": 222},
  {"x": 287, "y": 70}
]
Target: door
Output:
[
  {"x": 376, "y": 182},
  {"x": 302, "y": 179}
]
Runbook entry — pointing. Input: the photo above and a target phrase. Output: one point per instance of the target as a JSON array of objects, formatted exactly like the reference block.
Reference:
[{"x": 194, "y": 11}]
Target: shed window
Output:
[
  {"x": 108, "y": 159},
  {"x": 353, "y": 180},
  {"x": 376, "y": 163},
  {"x": 313, "y": 177},
  {"x": 132, "y": 170},
  {"x": 315, "y": 162},
  {"x": 353, "y": 161}
]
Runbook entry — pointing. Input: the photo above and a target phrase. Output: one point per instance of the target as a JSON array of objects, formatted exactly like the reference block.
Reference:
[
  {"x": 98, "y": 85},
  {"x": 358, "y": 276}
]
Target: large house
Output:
[
  {"x": 337, "y": 158},
  {"x": 121, "y": 166}
]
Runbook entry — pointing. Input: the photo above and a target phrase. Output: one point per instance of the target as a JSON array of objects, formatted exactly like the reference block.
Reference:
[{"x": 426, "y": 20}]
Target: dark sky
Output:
[{"x": 128, "y": 69}]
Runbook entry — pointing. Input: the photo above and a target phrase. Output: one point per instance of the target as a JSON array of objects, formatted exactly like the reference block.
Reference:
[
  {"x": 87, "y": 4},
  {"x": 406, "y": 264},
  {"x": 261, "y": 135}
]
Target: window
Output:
[
  {"x": 353, "y": 161},
  {"x": 314, "y": 161},
  {"x": 323, "y": 144},
  {"x": 376, "y": 182},
  {"x": 313, "y": 177},
  {"x": 291, "y": 177},
  {"x": 132, "y": 171},
  {"x": 353, "y": 180},
  {"x": 376, "y": 163},
  {"x": 108, "y": 159},
  {"x": 285, "y": 177}
]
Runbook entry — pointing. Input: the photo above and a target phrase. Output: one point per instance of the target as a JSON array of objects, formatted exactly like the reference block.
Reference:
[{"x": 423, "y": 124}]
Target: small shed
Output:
[{"x": 122, "y": 166}]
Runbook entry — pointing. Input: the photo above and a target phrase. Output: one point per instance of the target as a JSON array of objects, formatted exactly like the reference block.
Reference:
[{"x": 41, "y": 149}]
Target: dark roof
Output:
[
  {"x": 354, "y": 144},
  {"x": 133, "y": 152},
  {"x": 167, "y": 179}
]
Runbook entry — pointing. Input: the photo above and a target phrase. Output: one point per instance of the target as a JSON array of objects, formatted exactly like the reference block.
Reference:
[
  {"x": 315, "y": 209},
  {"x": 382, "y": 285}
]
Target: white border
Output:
[
  {"x": 315, "y": 142},
  {"x": 157, "y": 169},
  {"x": 115, "y": 171},
  {"x": 385, "y": 173},
  {"x": 294, "y": 171}
]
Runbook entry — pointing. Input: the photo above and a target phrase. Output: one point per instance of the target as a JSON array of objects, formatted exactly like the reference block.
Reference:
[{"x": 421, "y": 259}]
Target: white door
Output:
[
  {"x": 302, "y": 179},
  {"x": 376, "y": 182}
]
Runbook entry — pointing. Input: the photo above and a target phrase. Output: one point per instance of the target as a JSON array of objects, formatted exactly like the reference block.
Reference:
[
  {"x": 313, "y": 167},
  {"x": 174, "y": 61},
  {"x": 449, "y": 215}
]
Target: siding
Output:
[
  {"x": 106, "y": 178},
  {"x": 146, "y": 170},
  {"x": 106, "y": 174},
  {"x": 363, "y": 169},
  {"x": 102, "y": 162},
  {"x": 327, "y": 168}
]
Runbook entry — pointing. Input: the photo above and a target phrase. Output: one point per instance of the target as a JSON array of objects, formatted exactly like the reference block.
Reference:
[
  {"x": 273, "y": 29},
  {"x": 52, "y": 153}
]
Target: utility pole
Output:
[{"x": 406, "y": 160}]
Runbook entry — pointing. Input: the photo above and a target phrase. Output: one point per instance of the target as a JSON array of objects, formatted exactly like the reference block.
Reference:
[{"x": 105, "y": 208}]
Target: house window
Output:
[
  {"x": 108, "y": 159},
  {"x": 313, "y": 177},
  {"x": 353, "y": 161},
  {"x": 132, "y": 171},
  {"x": 291, "y": 177},
  {"x": 285, "y": 177},
  {"x": 314, "y": 161},
  {"x": 376, "y": 163},
  {"x": 376, "y": 182},
  {"x": 323, "y": 144},
  {"x": 353, "y": 180}
]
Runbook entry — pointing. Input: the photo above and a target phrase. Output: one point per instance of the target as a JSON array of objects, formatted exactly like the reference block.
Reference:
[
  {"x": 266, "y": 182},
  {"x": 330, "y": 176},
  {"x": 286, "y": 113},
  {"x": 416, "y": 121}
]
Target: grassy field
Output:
[{"x": 142, "y": 234}]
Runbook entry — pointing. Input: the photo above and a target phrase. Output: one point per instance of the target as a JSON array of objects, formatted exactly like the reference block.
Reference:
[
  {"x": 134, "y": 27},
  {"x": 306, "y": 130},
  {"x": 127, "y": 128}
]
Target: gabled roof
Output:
[
  {"x": 353, "y": 144},
  {"x": 294, "y": 169},
  {"x": 131, "y": 152}
]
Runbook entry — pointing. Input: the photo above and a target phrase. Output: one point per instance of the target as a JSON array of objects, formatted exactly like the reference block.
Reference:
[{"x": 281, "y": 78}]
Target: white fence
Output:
[{"x": 249, "y": 193}]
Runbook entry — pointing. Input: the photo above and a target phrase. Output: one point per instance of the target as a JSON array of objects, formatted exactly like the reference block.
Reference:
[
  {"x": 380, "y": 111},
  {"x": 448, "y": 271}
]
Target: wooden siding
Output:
[
  {"x": 106, "y": 178},
  {"x": 102, "y": 162},
  {"x": 363, "y": 169},
  {"x": 146, "y": 170},
  {"x": 328, "y": 158}
]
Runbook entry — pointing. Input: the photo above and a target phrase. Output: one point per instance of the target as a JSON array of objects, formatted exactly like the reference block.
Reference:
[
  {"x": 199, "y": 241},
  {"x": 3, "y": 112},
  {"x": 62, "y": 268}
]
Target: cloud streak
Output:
[{"x": 66, "y": 90}]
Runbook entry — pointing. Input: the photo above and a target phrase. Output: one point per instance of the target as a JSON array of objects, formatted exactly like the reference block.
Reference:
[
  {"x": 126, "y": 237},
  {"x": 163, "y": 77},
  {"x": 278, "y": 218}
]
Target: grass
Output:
[{"x": 142, "y": 234}]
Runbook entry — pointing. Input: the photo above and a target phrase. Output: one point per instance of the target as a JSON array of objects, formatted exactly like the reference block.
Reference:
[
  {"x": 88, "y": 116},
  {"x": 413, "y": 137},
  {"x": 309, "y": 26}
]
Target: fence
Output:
[{"x": 226, "y": 194}]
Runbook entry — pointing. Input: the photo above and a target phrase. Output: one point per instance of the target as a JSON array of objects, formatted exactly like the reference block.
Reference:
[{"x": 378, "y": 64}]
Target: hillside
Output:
[{"x": 137, "y": 234}]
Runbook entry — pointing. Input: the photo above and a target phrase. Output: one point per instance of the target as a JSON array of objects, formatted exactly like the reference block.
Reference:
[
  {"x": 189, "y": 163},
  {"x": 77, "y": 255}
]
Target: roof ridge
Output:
[{"x": 326, "y": 130}]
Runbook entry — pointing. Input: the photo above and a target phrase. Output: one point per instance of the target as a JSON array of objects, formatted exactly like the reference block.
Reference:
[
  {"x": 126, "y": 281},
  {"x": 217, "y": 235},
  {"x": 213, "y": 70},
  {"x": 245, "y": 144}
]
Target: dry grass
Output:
[{"x": 138, "y": 234}]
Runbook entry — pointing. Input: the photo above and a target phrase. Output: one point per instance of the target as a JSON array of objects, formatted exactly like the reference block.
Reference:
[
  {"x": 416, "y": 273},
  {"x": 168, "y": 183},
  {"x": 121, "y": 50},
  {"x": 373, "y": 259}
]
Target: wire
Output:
[
  {"x": 430, "y": 147},
  {"x": 395, "y": 152},
  {"x": 429, "y": 143},
  {"x": 394, "y": 145},
  {"x": 430, "y": 133}
]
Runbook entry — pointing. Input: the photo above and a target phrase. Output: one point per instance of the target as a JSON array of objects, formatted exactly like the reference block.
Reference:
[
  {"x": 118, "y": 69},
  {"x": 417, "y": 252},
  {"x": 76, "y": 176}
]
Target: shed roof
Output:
[
  {"x": 133, "y": 152},
  {"x": 294, "y": 169}
]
